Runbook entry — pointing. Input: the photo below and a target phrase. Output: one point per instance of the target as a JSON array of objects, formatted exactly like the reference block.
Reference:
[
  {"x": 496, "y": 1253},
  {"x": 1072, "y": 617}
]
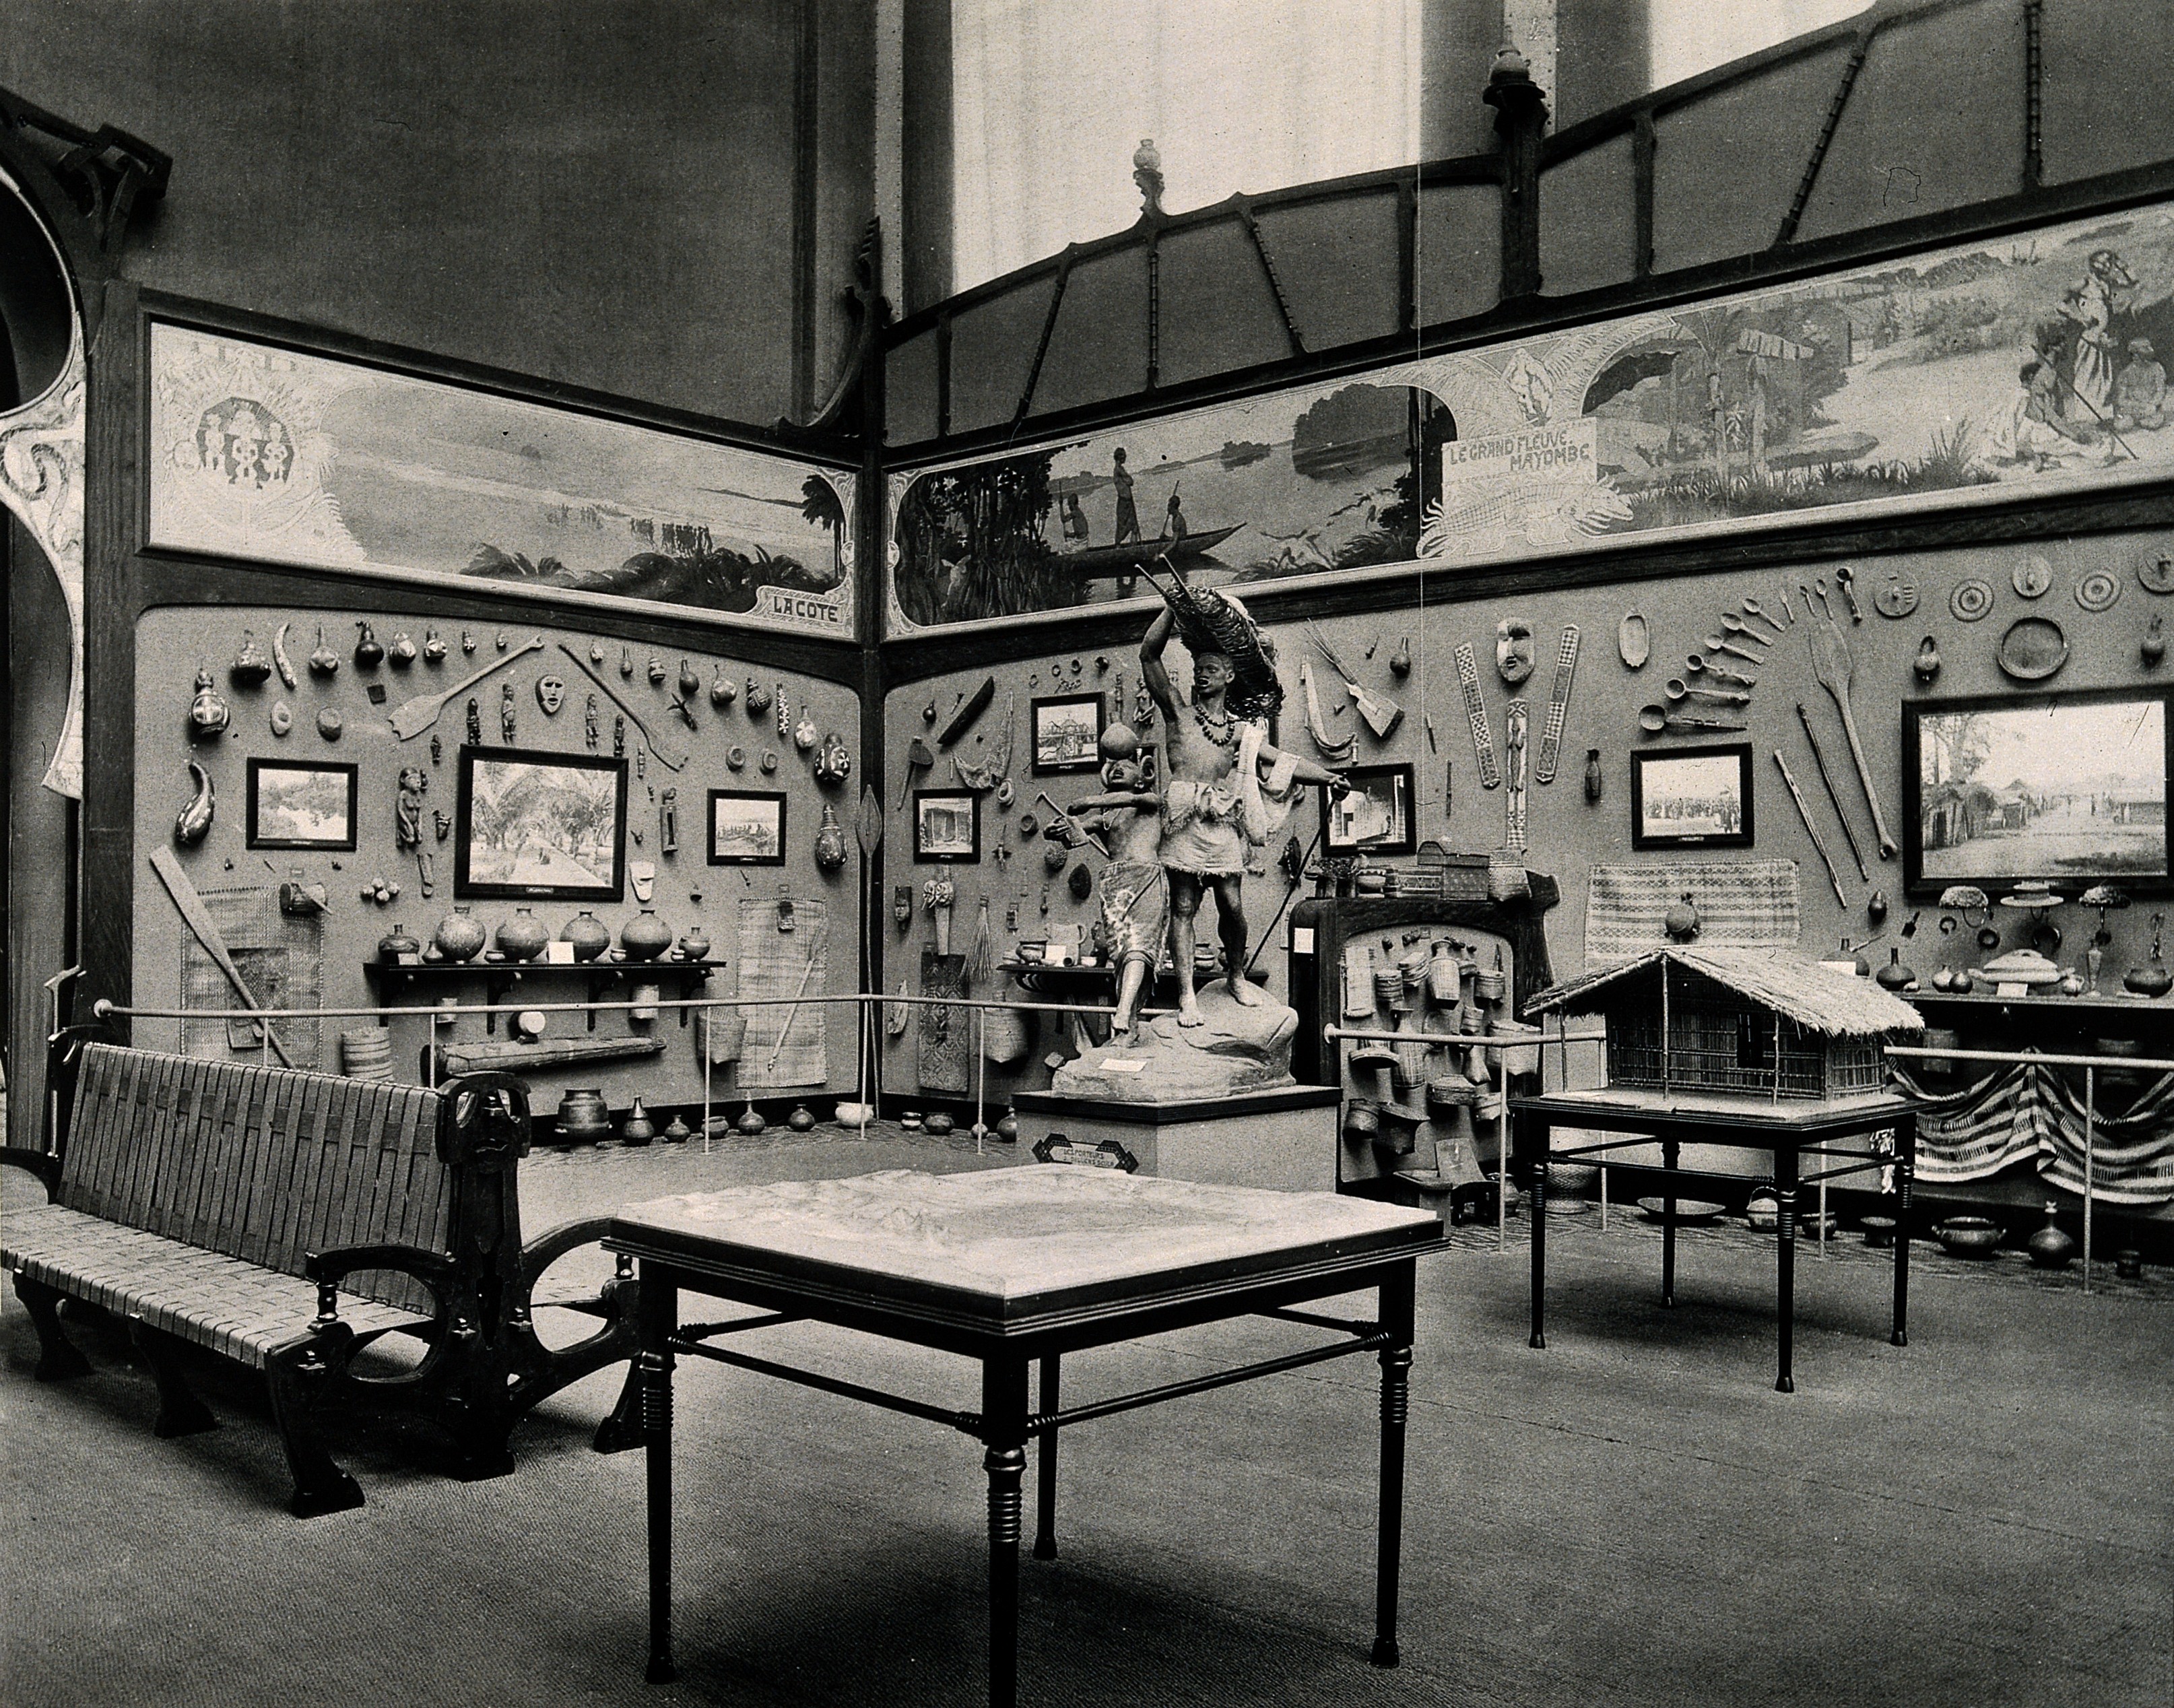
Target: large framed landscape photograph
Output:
[
  {"x": 533, "y": 824},
  {"x": 2067, "y": 788}
]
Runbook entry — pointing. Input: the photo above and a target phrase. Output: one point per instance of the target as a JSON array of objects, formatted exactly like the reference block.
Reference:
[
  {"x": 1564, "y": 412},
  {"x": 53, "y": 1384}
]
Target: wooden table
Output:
[
  {"x": 1010, "y": 1267},
  {"x": 1751, "y": 1123}
]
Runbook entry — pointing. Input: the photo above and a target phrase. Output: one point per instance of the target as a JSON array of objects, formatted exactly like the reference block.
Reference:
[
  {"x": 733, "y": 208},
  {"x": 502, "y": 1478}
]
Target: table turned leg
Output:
[
  {"x": 1671, "y": 1153},
  {"x": 1785, "y": 1261},
  {"x": 1045, "y": 1475},
  {"x": 1538, "y": 1140},
  {"x": 1905, "y": 1170},
  {"x": 1396, "y": 1317},
  {"x": 656, "y": 1318},
  {"x": 1004, "y": 1433}
]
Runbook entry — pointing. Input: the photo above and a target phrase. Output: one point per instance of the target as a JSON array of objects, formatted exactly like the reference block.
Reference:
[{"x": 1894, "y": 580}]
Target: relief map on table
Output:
[{"x": 1016, "y": 1231}]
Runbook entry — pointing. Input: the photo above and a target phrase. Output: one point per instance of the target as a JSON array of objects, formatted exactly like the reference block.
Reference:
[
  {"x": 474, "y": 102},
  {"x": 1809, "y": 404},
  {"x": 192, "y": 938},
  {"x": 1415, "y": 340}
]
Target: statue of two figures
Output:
[{"x": 1179, "y": 832}]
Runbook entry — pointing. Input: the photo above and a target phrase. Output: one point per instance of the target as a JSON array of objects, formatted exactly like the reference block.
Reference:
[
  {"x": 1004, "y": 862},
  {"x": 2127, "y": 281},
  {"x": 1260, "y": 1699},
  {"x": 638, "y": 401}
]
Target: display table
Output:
[
  {"x": 1785, "y": 1130},
  {"x": 1008, "y": 1268}
]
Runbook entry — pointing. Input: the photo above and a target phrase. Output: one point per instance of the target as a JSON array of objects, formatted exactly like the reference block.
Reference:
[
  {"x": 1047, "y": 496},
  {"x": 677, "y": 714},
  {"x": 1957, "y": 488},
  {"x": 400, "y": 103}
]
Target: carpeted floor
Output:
[{"x": 1631, "y": 1516}]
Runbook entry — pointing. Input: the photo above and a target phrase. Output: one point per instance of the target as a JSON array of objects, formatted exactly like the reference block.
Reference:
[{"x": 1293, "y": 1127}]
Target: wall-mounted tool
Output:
[
  {"x": 1381, "y": 715},
  {"x": 1656, "y": 720},
  {"x": 1475, "y": 714},
  {"x": 1633, "y": 640},
  {"x": 970, "y": 710},
  {"x": 1752, "y": 608},
  {"x": 197, "y": 917},
  {"x": 1738, "y": 629},
  {"x": 1721, "y": 643},
  {"x": 1551, "y": 729},
  {"x": 1832, "y": 665},
  {"x": 1678, "y": 691},
  {"x": 991, "y": 770},
  {"x": 1699, "y": 665},
  {"x": 1834, "y": 799},
  {"x": 919, "y": 757},
  {"x": 412, "y": 717},
  {"x": 1810, "y": 829},
  {"x": 1846, "y": 579},
  {"x": 1337, "y": 753},
  {"x": 669, "y": 754}
]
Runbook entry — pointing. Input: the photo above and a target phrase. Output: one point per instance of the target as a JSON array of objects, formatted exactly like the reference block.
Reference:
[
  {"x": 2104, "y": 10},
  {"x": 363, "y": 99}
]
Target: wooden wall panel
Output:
[
  {"x": 1589, "y": 219},
  {"x": 2105, "y": 74},
  {"x": 1726, "y": 165},
  {"x": 1909, "y": 142},
  {"x": 1218, "y": 311},
  {"x": 1099, "y": 347},
  {"x": 1458, "y": 252},
  {"x": 1331, "y": 257},
  {"x": 992, "y": 350}
]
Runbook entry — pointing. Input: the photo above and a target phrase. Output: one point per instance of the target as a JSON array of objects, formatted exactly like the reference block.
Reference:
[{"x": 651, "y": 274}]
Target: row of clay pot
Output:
[{"x": 460, "y": 936}]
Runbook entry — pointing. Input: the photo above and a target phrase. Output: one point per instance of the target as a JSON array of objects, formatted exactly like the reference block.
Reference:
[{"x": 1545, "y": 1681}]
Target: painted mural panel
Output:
[
  {"x": 271, "y": 454},
  {"x": 2027, "y": 366}
]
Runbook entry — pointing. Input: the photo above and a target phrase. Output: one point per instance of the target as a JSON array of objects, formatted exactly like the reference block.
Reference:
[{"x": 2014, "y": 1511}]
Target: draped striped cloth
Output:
[
  {"x": 2030, "y": 1113},
  {"x": 1742, "y": 904}
]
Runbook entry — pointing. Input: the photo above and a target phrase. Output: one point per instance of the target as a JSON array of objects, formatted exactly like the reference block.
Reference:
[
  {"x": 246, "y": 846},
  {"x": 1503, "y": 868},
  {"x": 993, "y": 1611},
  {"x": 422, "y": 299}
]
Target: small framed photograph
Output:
[
  {"x": 747, "y": 828},
  {"x": 947, "y": 827},
  {"x": 1066, "y": 728},
  {"x": 1692, "y": 798},
  {"x": 302, "y": 806},
  {"x": 1376, "y": 817},
  {"x": 533, "y": 824}
]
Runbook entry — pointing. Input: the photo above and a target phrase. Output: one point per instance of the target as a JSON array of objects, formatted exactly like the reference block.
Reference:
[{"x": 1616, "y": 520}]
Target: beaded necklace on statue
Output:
[{"x": 1218, "y": 730}]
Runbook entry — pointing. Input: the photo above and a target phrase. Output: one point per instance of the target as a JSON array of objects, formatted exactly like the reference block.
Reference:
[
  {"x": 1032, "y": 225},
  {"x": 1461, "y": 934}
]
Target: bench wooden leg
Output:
[
  {"x": 297, "y": 1375},
  {"x": 57, "y": 1359},
  {"x": 620, "y": 1431},
  {"x": 181, "y": 1413}
]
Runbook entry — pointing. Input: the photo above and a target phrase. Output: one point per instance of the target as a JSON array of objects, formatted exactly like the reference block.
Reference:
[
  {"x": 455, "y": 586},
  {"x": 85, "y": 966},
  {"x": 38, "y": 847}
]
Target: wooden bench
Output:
[{"x": 287, "y": 1221}]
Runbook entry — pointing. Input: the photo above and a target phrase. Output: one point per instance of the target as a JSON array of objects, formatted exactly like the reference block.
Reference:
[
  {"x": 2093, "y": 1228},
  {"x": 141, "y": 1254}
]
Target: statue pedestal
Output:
[{"x": 1284, "y": 1138}]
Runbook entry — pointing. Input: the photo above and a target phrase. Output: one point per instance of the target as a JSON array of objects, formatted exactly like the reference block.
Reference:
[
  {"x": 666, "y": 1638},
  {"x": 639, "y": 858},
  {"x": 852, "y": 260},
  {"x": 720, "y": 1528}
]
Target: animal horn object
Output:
[{"x": 193, "y": 822}]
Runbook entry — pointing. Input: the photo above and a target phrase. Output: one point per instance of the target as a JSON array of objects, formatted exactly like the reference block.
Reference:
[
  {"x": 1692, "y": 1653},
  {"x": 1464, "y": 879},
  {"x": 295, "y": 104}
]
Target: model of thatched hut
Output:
[{"x": 1752, "y": 1022}]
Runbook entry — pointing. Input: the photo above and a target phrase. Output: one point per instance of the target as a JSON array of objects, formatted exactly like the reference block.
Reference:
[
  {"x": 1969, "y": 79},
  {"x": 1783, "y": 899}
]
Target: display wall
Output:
[{"x": 290, "y": 897}]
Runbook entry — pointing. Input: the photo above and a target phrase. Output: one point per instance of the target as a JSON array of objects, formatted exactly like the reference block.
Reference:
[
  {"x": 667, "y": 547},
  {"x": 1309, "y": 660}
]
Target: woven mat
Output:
[
  {"x": 1742, "y": 904},
  {"x": 945, "y": 1033},
  {"x": 778, "y": 963},
  {"x": 280, "y": 958}
]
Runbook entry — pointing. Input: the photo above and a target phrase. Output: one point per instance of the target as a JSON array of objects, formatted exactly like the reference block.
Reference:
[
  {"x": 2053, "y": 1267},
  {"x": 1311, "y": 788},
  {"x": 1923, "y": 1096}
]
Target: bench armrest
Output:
[
  {"x": 46, "y": 1167},
  {"x": 329, "y": 1268},
  {"x": 553, "y": 1243}
]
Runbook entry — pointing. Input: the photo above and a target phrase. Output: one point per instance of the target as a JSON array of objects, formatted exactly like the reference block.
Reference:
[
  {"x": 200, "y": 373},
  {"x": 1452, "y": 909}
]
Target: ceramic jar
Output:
[
  {"x": 395, "y": 944},
  {"x": 522, "y": 937},
  {"x": 802, "y": 1119},
  {"x": 590, "y": 936},
  {"x": 459, "y": 936},
  {"x": 2051, "y": 1248},
  {"x": 694, "y": 944},
  {"x": 638, "y": 1128},
  {"x": 645, "y": 937},
  {"x": 583, "y": 1116}
]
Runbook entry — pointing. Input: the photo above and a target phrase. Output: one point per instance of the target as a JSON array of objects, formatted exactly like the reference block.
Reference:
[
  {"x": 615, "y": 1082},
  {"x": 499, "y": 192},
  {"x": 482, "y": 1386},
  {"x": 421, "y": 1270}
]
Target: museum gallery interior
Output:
[{"x": 956, "y": 851}]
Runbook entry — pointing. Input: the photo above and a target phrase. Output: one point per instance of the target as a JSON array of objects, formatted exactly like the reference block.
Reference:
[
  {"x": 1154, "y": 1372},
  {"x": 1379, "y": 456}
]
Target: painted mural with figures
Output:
[
  {"x": 2033, "y": 365},
  {"x": 275, "y": 455}
]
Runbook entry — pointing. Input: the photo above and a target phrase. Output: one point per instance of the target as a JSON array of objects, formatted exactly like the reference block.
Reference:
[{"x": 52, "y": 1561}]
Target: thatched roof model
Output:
[{"x": 1838, "y": 1005}]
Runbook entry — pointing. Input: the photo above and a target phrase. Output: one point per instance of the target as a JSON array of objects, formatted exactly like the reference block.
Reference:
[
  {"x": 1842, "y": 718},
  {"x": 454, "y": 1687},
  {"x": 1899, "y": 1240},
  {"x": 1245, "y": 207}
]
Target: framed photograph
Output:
[
  {"x": 1692, "y": 798},
  {"x": 947, "y": 827},
  {"x": 747, "y": 828},
  {"x": 1376, "y": 817},
  {"x": 540, "y": 824},
  {"x": 302, "y": 806},
  {"x": 1066, "y": 729},
  {"x": 2069, "y": 788}
]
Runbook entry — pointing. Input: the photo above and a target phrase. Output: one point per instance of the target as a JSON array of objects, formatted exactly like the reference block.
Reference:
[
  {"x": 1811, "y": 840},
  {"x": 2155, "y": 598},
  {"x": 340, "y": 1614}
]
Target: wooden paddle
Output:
[
  {"x": 197, "y": 917},
  {"x": 1832, "y": 665},
  {"x": 410, "y": 718},
  {"x": 868, "y": 831}
]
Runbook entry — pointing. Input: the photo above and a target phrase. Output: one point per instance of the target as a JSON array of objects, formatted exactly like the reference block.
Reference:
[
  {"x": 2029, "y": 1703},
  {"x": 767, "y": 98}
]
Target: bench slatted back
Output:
[{"x": 266, "y": 1164}]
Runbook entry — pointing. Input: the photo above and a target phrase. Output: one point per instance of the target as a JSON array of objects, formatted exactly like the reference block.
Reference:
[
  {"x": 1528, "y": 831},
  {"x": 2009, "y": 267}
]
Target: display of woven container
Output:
[
  {"x": 1521, "y": 1058},
  {"x": 1360, "y": 1122},
  {"x": 727, "y": 1034},
  {"x": 1441, "y": 977},
  {"x": 1491, "y": 983},
  {"x": 367, "y": 1053},
  {"x": 1448, "y": 1093},
  {"x": 1007, "y": 1036},
  {"x": 1389, "y": 991}
]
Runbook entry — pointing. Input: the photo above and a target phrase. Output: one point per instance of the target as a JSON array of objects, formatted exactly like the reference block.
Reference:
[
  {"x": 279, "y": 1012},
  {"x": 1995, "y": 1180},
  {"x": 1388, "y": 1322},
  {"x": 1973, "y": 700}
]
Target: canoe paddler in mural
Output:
[{"x": 1225, "y": 785}]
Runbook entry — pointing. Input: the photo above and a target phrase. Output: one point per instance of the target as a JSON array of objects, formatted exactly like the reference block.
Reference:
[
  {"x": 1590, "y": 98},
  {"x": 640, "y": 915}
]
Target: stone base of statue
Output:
[{"x": 1214, "y": 1103}]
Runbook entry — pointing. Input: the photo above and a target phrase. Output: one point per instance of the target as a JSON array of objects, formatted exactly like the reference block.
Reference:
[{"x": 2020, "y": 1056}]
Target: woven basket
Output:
[
  {"x": 1007, "y": 1036},
  {"x": 1441, "y": 977},
  {"x": 1448, "y": 1093},
  {"x": 727, "y": 1034}
]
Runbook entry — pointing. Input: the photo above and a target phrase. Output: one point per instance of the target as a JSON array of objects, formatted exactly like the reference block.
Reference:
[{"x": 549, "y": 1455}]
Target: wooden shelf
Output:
[
  {"x": 502, "y": 978},
  {"x": 2144, "y": 1006}
]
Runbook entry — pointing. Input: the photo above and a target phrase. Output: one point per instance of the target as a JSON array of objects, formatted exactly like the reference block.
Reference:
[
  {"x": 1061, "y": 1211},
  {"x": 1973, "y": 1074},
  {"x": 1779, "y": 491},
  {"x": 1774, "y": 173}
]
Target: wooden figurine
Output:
[{"x": 407, "y": 807}]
